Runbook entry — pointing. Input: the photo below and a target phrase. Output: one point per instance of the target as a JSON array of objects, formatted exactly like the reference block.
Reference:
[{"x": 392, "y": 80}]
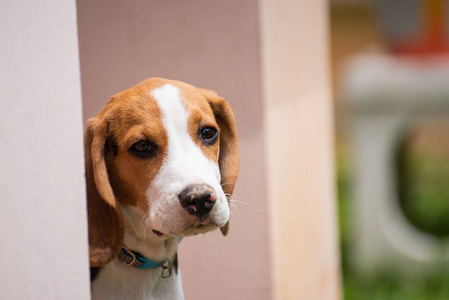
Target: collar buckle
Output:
[
  {"x": 166, "y": 268},
  {"x": 130, "y": 253}
]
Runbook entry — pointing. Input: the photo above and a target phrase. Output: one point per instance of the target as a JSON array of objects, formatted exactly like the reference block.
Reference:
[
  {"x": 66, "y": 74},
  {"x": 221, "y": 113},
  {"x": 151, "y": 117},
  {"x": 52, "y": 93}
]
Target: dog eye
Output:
[
  {"x": 209, "y": 134},
  {"x": 143, "y": 149},
  {"x": 141, "y": 146}
]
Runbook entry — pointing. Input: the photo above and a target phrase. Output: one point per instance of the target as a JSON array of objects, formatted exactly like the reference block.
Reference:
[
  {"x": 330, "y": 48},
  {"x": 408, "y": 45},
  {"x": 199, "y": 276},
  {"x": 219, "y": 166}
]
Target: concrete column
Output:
[
  {"x": 299, "y": 156},
  {"x": 43, "y": 216}
]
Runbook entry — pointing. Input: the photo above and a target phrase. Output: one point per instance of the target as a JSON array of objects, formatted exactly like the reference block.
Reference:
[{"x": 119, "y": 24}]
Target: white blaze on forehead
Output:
[
  {"x": 174, "y": 114},
  {"x": 185, "y": 158}
]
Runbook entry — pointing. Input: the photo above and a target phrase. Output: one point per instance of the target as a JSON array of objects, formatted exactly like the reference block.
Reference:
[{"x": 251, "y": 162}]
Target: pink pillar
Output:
[{"x": 299, "y": 149}]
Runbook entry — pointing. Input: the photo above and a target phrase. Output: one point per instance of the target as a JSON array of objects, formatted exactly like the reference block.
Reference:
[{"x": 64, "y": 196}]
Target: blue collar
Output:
[{"x": 135, "y": 259}]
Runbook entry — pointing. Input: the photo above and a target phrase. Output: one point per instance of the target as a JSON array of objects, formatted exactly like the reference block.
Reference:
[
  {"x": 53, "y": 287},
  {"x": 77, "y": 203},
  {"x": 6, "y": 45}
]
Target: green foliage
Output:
[
  {"x": 426, "y": 182},
  {"x": 388, "y": 285},
  {"x": 424, "y": 190}
]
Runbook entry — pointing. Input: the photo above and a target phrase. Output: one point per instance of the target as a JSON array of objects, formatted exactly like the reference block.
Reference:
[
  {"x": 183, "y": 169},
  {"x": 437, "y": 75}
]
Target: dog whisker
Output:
[
  {"x": 234, "y": 207},
  {"x": 144, "y": 223},
  {"x": 242, "y": 202},
  {"x": 235, "y": 198}
]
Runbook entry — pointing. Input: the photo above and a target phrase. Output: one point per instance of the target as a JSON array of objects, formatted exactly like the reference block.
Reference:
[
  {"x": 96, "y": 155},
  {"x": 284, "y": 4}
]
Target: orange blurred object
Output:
[{"x": 431, "y": 34}]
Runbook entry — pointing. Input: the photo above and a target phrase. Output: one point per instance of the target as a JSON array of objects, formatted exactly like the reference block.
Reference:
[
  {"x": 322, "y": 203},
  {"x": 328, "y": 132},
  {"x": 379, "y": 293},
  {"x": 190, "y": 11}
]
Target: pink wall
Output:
[{"x": 211, "y": 44}]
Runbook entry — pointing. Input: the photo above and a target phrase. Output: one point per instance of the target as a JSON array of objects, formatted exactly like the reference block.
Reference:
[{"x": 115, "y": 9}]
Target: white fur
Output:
[
  {"x": 117, "y": 281},
  {"x": 185, "y": 164},
  {"x": 140, "y": 237}
]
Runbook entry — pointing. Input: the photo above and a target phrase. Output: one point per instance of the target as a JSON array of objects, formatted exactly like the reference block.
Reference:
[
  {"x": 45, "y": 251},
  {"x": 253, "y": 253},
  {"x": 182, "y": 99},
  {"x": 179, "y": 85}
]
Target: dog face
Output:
[{"x": 166, "y": 150}]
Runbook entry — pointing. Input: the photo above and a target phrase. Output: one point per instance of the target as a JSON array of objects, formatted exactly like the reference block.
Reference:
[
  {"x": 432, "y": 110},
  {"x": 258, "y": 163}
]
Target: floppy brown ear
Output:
[
  {"x": 106, "y": 228},
  {"x": 228, "y": 160}
]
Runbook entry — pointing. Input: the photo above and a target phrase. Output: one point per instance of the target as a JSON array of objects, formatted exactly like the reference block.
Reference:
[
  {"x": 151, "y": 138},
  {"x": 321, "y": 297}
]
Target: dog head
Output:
[{"x": 167, "y": 150}]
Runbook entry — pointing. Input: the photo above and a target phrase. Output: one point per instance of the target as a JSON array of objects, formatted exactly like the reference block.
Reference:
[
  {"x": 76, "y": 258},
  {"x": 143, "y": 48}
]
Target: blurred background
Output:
[{"x": 390, "y": 77}]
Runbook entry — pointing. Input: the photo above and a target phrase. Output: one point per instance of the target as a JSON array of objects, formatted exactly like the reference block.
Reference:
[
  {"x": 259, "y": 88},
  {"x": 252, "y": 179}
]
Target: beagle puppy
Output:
[{"x": 161, "y": 164}]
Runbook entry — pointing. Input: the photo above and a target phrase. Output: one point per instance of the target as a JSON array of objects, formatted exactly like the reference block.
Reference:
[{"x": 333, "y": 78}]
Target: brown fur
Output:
[
  {"x": 113, "y": 174},
  {"x": 106, "y": 228}
]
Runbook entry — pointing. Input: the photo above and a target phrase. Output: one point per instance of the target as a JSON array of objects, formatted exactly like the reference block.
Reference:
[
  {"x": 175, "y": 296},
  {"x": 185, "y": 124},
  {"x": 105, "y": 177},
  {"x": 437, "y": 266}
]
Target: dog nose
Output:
[{"x": 198, "y": 199}]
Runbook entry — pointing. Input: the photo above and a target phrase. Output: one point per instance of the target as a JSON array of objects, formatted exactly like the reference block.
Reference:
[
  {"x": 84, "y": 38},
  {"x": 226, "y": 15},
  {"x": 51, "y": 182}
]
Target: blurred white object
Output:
[{"x": 387, "y": 96}]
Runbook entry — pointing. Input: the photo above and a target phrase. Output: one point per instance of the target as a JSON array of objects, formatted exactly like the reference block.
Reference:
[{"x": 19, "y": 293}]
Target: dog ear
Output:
[
  {"x": 106, "y": 227},
  {"x": 228, "y": 159}
]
